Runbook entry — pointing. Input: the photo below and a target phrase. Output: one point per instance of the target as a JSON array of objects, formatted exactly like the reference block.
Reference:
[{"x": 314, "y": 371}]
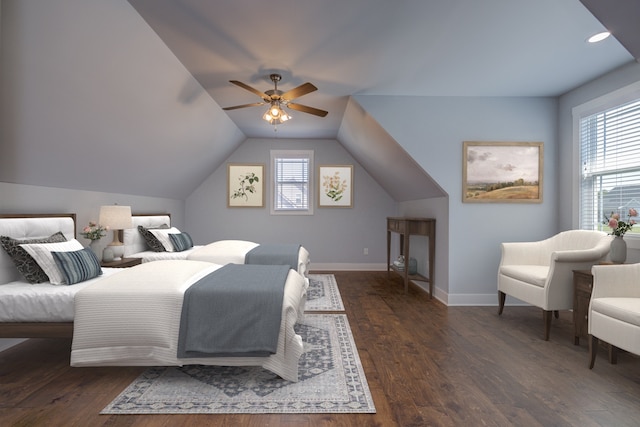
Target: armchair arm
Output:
[
  {"x": 616, "y": 281},
  {"x": 582, "y": 255}
]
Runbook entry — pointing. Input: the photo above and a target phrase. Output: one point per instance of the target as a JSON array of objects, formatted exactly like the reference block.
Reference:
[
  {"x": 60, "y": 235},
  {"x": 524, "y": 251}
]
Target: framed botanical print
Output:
[
  {"x": 335, "y": 186},
  {"x": 245, "y": 187},
  {"x": 502, "y": 172}
]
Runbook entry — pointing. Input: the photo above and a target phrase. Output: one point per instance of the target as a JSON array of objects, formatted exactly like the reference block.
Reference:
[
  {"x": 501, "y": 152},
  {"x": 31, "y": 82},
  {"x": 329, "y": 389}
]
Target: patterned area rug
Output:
[
  {"x": 331, "y": 381},
  {"x": 323, "y": 294}
]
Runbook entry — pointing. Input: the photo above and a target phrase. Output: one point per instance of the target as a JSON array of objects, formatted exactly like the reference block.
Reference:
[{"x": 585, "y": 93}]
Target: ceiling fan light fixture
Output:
[{"x": 276, "y": 114}]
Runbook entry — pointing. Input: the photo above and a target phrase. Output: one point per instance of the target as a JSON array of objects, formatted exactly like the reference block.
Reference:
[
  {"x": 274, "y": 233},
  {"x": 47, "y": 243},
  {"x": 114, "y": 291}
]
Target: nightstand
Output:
[
  {"x": 123, "y": 263},
  {"x": 582, "y": 287}
]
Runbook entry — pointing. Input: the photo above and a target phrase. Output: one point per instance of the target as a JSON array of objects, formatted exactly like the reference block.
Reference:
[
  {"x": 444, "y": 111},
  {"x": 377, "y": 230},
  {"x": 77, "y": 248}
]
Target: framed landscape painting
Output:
[
  {"x": 245, "y": 185},
  {"x": 502, "y": 172},
  {"x": 335, "y": 186}
]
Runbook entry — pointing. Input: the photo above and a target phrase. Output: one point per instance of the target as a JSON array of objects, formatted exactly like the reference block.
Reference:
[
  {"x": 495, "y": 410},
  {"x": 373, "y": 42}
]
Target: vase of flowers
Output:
[
  {"x": 618, "y": 252},
  {"x": 94, "y": 232}
]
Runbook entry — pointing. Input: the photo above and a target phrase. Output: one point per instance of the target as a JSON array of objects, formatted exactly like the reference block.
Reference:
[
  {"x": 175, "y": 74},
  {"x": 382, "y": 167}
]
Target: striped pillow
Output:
[
  {"x": 181, "y": 241},
  {"x": 77, "y": 266}
]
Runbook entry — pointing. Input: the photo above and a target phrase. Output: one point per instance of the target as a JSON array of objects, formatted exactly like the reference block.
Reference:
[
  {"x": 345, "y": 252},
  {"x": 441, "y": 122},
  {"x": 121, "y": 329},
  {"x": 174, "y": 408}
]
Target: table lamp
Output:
[{"x": 116, "y": 218}]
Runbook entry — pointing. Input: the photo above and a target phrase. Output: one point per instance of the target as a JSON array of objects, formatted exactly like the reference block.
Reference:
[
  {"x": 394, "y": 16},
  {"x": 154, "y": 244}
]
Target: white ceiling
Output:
[{"x": 405, "y": 47}]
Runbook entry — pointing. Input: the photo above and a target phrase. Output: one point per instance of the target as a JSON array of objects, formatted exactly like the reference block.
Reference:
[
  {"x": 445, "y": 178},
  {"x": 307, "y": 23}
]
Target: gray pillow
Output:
[
  {"x": 152, "y": 241},
  {"x": 77, "y": 266}
]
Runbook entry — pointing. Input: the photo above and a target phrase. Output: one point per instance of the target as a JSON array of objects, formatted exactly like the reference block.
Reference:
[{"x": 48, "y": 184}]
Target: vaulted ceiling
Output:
[
  {"x": 419, "y": 48},
  {"x": 111, "y": 96}
]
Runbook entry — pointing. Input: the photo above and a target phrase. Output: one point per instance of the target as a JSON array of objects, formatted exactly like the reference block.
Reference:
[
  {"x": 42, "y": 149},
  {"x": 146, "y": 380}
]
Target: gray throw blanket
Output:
[
  {"x": 234, "y": 311},
  {"x": 274, "y": 254}
]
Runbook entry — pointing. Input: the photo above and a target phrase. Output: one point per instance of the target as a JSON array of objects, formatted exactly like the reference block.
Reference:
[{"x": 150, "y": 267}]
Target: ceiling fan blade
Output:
[
  {"x": 298, "y": 91},
  {"x": 306, "y": 109},
  {"x": 250, "y": 89},
  {"x": 235, "y": 107}
]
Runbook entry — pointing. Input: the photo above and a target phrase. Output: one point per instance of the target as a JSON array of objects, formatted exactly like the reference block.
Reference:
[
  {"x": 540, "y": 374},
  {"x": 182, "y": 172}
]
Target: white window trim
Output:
[
  {"x": 291, "y": 153},
  {"x": 618, "y": 97}
]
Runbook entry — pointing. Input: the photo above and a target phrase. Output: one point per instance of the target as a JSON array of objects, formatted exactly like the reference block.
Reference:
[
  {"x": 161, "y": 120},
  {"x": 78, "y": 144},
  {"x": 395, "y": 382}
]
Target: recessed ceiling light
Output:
[{"x": 599, "y": 37}]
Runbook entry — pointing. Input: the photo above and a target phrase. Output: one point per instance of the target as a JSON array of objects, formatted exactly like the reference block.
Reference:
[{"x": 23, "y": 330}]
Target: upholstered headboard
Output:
[
  {"x": 133, "y": 240},
  {"x": 31, "y": 226}
]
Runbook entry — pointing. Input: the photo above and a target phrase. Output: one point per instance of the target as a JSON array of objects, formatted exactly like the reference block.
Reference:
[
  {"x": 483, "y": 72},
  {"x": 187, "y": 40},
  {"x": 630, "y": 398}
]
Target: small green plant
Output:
[{"x": 94, "y": 231}]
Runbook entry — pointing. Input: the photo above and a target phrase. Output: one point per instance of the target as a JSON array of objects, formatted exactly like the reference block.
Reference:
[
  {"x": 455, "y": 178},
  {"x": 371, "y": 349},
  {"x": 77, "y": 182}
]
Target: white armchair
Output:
[
  {"x": 614, "y": 310},
  {"x": 541, "y": 273}
]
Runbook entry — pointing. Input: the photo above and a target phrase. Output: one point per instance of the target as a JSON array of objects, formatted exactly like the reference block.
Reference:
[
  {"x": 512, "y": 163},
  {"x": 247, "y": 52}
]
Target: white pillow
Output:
[
  {"x": 163, "y": 236},
  {"x": 41, "y": 252}
]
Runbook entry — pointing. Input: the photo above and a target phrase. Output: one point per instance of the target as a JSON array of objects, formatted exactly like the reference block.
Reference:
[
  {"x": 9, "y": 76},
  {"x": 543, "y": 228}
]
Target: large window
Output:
[
  {"x": 292, "y": 182},
  {"x": 610, "y": 165}
]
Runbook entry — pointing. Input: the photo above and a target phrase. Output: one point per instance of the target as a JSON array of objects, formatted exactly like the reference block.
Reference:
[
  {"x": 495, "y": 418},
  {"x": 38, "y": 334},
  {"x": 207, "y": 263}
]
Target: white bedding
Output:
[
  {"x": 21, "y": 301},
  {"x": 133, "y": 319},
  {"x": 234, "y": 251},
  {"x": 148, "y": 256}
]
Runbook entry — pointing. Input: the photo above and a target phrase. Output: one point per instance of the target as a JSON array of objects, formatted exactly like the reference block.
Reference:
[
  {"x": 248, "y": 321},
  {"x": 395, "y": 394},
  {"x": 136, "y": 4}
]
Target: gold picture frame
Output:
[
  {"x": 245, "y": 185},
  {"x": 502, "y": 172},
  {"x": 335, "y": 186}
]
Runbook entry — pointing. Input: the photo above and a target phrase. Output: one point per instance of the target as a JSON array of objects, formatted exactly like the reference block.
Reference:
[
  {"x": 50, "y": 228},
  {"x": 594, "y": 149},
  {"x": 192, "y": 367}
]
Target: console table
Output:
[{"x": 406, "y": 227}]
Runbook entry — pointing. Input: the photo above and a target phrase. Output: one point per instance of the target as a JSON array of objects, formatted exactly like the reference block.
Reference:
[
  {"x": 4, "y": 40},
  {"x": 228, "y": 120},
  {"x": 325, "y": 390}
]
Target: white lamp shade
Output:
[{"x": 116, "y": 217}]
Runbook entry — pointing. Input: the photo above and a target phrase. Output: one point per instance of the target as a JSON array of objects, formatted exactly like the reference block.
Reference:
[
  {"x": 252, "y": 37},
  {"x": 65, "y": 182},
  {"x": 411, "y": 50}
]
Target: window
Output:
[
  {"x": 292, "y": 182},
  {"x": 610, "y": 165}
]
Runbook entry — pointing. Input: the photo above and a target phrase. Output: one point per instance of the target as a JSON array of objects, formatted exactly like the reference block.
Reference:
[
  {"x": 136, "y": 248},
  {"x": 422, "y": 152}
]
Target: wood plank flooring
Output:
[{"x": 427, "y": 365}]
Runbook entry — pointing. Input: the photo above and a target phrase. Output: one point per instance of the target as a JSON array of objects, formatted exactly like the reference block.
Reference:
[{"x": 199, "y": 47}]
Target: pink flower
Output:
[
  {"x": 86, "y": 229},
  {"x": 615, "y": 216},
  {"x": 613, "y": 222},
  {"x": 633, "y": 212}
]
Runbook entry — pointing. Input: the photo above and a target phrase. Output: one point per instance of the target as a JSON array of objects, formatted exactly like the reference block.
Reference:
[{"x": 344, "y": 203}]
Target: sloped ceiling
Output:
[{"x": 126, "y": 97}]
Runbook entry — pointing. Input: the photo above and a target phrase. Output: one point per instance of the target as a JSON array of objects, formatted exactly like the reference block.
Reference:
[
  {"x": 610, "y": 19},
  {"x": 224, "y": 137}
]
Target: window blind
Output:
[
  {"x": 610, "y": 165},
  {"x": 292, "y": 183}
]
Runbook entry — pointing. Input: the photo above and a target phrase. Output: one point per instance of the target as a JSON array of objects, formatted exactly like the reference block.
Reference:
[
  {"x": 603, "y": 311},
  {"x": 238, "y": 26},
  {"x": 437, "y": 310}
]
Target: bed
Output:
[
  {"x": 137, "y": 245},
  {"x": 27, "y": 321},
  {"x": 47, "y": 310},
  {"x": 143, "y": 324}
]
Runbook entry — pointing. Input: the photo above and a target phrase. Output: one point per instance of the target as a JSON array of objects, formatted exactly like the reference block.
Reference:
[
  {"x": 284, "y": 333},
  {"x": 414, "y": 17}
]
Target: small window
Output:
[{"x": 292, "y": 182}]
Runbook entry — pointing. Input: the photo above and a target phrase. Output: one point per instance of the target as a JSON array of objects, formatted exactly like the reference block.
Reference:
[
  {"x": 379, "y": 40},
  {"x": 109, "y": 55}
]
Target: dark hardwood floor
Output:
[{"x": 427, "y": 365}]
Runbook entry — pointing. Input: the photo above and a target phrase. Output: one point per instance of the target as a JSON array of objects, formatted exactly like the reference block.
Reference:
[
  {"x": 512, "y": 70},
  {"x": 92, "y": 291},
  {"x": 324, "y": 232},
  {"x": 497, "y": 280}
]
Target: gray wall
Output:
[
  {"x": 432, "y": 130},
  {"x": 333, "y": 236}
]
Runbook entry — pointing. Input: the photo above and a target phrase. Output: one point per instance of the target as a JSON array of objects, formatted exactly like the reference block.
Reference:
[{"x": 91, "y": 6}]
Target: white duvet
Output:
[
  {"x": 132, "y": 318},
  {"x": 234, "y": 252}
]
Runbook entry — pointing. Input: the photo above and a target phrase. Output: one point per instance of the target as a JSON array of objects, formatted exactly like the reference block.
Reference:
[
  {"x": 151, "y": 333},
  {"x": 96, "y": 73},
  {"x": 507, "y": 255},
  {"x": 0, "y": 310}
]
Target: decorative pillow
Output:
[
  {"x": 27, "y": 266},
  {"x": 77, "y": 266},
  {"x": 41, "y": 252},
  {"x": 153, "y": 243},
  {"x": 163, "y": 237},
  {"x": 181, "y": 241}
]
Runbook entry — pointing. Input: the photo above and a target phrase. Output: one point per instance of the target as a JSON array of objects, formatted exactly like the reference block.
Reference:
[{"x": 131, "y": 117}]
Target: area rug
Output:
[
  {"x": 323, "y": 294},
  {"x": 331, "y": 380}
]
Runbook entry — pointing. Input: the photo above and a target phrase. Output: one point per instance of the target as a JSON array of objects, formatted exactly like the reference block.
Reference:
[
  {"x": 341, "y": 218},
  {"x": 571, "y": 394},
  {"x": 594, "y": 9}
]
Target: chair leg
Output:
[
  {"x": 593, "y": 350},
  {"x": 546, "y": 315},
  {"x": 556, "y": 314},
  {"x": 613, "y": 354},
  {"x": 501, "y": 298}
]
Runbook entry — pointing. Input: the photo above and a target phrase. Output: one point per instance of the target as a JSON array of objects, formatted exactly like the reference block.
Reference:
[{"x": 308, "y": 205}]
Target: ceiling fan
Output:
[{"x": 278, "y": 99}]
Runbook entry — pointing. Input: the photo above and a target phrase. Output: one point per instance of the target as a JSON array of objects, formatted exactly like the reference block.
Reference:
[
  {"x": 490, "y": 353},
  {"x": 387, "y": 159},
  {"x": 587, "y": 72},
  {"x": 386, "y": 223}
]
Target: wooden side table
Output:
[
  {"x": 123, "y": 263},
  {"x": 406, "y": 227},
  {"x": 582, "y": 289}
]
